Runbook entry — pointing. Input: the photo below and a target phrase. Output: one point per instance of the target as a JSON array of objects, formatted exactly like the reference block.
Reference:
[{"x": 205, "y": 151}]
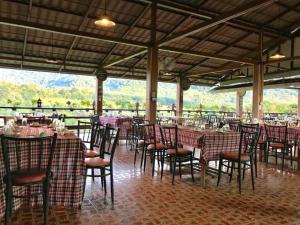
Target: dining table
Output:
[
  {"x": 67, "y": 170},
  {"x": 122, "y": 122}
]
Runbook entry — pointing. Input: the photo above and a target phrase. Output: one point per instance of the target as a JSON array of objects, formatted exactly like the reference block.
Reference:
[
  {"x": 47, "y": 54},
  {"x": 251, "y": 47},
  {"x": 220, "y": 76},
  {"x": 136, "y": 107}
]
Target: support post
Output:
[
  {"x": 99, "y": 96},
  {"x": 258, "y": 83},
  {"x": 152, "y": 81},
  {"x": 239, "y": 103},
  {"x": 298, "y": 107},
  {"x": 179, "y": 98},
  {"x": 152, "y": 70}
]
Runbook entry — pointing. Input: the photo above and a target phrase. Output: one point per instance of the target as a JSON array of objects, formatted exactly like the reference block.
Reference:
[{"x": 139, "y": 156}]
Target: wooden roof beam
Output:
[
  {"x": 206, "y": 55},
  {"x": 208, "y": 15},
  {"x": 239, "y": 11},
  {"x": 79, "y": 28},
  {"x": 60, "y": 30},
  {"x": 124, "y": 35},
  {"x": 26, "y": 32}
]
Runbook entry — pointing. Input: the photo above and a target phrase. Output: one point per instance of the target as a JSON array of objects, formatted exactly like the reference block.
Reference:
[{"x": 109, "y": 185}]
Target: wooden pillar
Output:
[
  {"x": 239, "y": 103},
  {"x": 99, "y": 96},
  {"x": 258, "y": 83},
  {"x": 152, "y": 70},
  {"x": 298, "y": 108},
  {"x": 179, "y": 98},
  {"x": 152, "y": 81}
]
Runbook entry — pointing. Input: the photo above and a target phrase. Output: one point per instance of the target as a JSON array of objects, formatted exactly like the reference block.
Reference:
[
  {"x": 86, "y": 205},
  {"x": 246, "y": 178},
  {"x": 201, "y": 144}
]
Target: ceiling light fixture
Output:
[
  {"x": 278, "y": 54},
  {"x": 51, "y": 59},
  {"x": 104, "y": 20},
  {"x": 241, "y": 74}
]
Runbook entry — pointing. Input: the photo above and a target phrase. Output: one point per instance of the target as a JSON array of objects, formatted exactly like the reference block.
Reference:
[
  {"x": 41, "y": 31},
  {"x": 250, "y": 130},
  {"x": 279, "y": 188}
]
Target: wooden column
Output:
[
  {"x": 298, "y": 108},
  {"x": 239, "y": 103},
  {"x": 258, "y": 83},
  {"x": 99, "y": 96},
  {"x": 179, "y": 98},
  {"x": 152, "y": 81},
  {"x": 152, "y": 70}
]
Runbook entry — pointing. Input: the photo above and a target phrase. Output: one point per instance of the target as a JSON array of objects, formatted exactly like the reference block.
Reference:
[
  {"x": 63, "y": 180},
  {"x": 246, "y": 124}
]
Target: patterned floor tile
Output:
[{"x": 141, "y": 199}]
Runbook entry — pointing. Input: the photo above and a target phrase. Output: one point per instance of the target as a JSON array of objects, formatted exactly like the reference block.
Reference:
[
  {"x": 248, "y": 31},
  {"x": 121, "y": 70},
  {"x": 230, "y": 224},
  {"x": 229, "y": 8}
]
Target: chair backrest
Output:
[
  {"x": 150, "y": 134},
  {"x": 109, "y": 143},
  {"x": 215, "y": 143},
  {"x": 169, "y": 136},
  {"x": 138, "y": 131},
  {"x": 98, "y": 132},
  {"x": 94, "y": 119},
  {"x": 276, "y": 133},
  {"x": 234, "y": 125},
  {"x": 21, "y": 154},
  {"x": 138, "y": 119},
  {"x": 250, "y": 136},
  {"x": 85, "y": 131}
]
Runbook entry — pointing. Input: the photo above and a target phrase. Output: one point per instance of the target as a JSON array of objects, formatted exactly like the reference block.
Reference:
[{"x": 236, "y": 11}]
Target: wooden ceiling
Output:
[{"x": 205, "y": 40}]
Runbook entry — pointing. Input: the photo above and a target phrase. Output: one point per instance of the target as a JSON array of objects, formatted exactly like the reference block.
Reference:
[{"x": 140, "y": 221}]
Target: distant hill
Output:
[{"x": 56, "y": 89}]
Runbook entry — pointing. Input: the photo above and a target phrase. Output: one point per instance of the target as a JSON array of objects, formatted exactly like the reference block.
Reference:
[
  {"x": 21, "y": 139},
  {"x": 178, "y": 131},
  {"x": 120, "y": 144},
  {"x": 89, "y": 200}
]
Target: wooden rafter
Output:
[
  {"x": 79, "y": 29},
  {"x": 26, "y": 33}
]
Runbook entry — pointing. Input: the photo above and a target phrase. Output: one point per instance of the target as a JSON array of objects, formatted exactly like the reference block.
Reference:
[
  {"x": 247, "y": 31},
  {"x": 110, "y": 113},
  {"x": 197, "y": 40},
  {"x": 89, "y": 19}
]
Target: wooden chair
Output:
[
  {"x": 153, "y": 146},
  {"x": 277, "y": 140},
  {"x": 178, "y": 155},
  {"x": 244, "y": 155},
  {"x": 105, "y": 160},
  {"x": 85, "y": 131},
  {"x": 37, "y": 171}
]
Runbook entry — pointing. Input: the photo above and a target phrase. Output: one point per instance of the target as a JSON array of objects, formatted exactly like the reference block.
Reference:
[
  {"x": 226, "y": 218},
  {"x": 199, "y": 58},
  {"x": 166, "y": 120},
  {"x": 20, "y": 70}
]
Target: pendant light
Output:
[
  {"x": 278, "y": 54},
  {"x": 241, "y": 74},
  {"x": 51, "y": 59},
  {"x": 104, "y": 20}
]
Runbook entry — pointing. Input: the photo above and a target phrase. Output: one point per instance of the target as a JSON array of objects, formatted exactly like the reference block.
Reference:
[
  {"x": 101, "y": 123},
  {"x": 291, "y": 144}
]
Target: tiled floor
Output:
[{"x": 141, "y": 199}]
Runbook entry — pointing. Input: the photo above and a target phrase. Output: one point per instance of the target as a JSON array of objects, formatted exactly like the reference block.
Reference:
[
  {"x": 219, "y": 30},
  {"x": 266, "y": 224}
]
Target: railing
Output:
[{"x": 80, "y": 113}]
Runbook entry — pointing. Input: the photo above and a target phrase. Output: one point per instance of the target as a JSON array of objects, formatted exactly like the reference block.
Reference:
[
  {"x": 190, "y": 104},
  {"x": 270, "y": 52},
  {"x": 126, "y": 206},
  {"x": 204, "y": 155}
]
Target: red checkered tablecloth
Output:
[
  {"x": 67, "y": 168},
  {"x": 124, "y": 123}
]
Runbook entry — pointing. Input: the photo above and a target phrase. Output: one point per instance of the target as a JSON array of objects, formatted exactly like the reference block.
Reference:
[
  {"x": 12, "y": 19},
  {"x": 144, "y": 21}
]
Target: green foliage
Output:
[{"x": 25, "y": 87}]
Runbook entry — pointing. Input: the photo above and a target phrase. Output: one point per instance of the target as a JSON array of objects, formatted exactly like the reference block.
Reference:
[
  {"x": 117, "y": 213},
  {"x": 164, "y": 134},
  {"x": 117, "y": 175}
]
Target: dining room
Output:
[{"x": 149, "y": 112}]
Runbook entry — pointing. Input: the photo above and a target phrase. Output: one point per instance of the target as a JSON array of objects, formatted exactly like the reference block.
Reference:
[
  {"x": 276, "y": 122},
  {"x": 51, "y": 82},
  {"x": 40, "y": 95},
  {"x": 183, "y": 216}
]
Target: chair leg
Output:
[
  {"x": 244, "y": 170},
  {"x": 142, "y": 157},
  {"x": 267, "y": 156},
  {"x": 174, "y": 169},
  {"x": 8, "y": 205},
  {"x": 93, "y": 175},
  {"x": 145, "y": 159},
  {"x": 192, "y": 168},
  {"x": 282, "y": 153},
  {"x": 104, "y": 180},
  {"x": 45, "y": 202},
  {"x": 153, "y": 163},
  {"x": 231, "y": 171},
  {"x": 220, "y": 171},
  {"x": 255, "y": 162},
  {"x": 135, "y": 153},
  {"x": 239, "y": 176},
  {"x": 252, "y": 175},
  {"x": 276, "y": 160},
  {"x": 112, "y": 185},
  {"x": 180, "y": 174},
  {"x": 85, "y": 176},
  {"x": 162, "y": 164},
  {"x": 291, "y": 156}
]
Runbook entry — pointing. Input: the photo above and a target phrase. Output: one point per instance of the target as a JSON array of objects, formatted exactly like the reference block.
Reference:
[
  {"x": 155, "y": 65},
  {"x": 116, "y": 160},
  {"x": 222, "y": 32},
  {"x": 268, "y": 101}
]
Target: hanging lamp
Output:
[
  {"x": 51, "y": 59},
  {"x": 278, "y": 54},
  {"x": 104, "y": 20}
]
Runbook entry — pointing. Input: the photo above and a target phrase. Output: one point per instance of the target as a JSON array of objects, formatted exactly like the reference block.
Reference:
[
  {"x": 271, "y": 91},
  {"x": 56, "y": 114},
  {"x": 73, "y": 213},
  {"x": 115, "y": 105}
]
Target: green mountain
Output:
[{"x": 19, "y": 87}]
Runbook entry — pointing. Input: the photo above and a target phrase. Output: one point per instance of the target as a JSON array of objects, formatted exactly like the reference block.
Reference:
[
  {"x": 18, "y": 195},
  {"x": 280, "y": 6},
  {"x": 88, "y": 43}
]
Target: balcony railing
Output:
[{"x": 73, "y": 114}]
